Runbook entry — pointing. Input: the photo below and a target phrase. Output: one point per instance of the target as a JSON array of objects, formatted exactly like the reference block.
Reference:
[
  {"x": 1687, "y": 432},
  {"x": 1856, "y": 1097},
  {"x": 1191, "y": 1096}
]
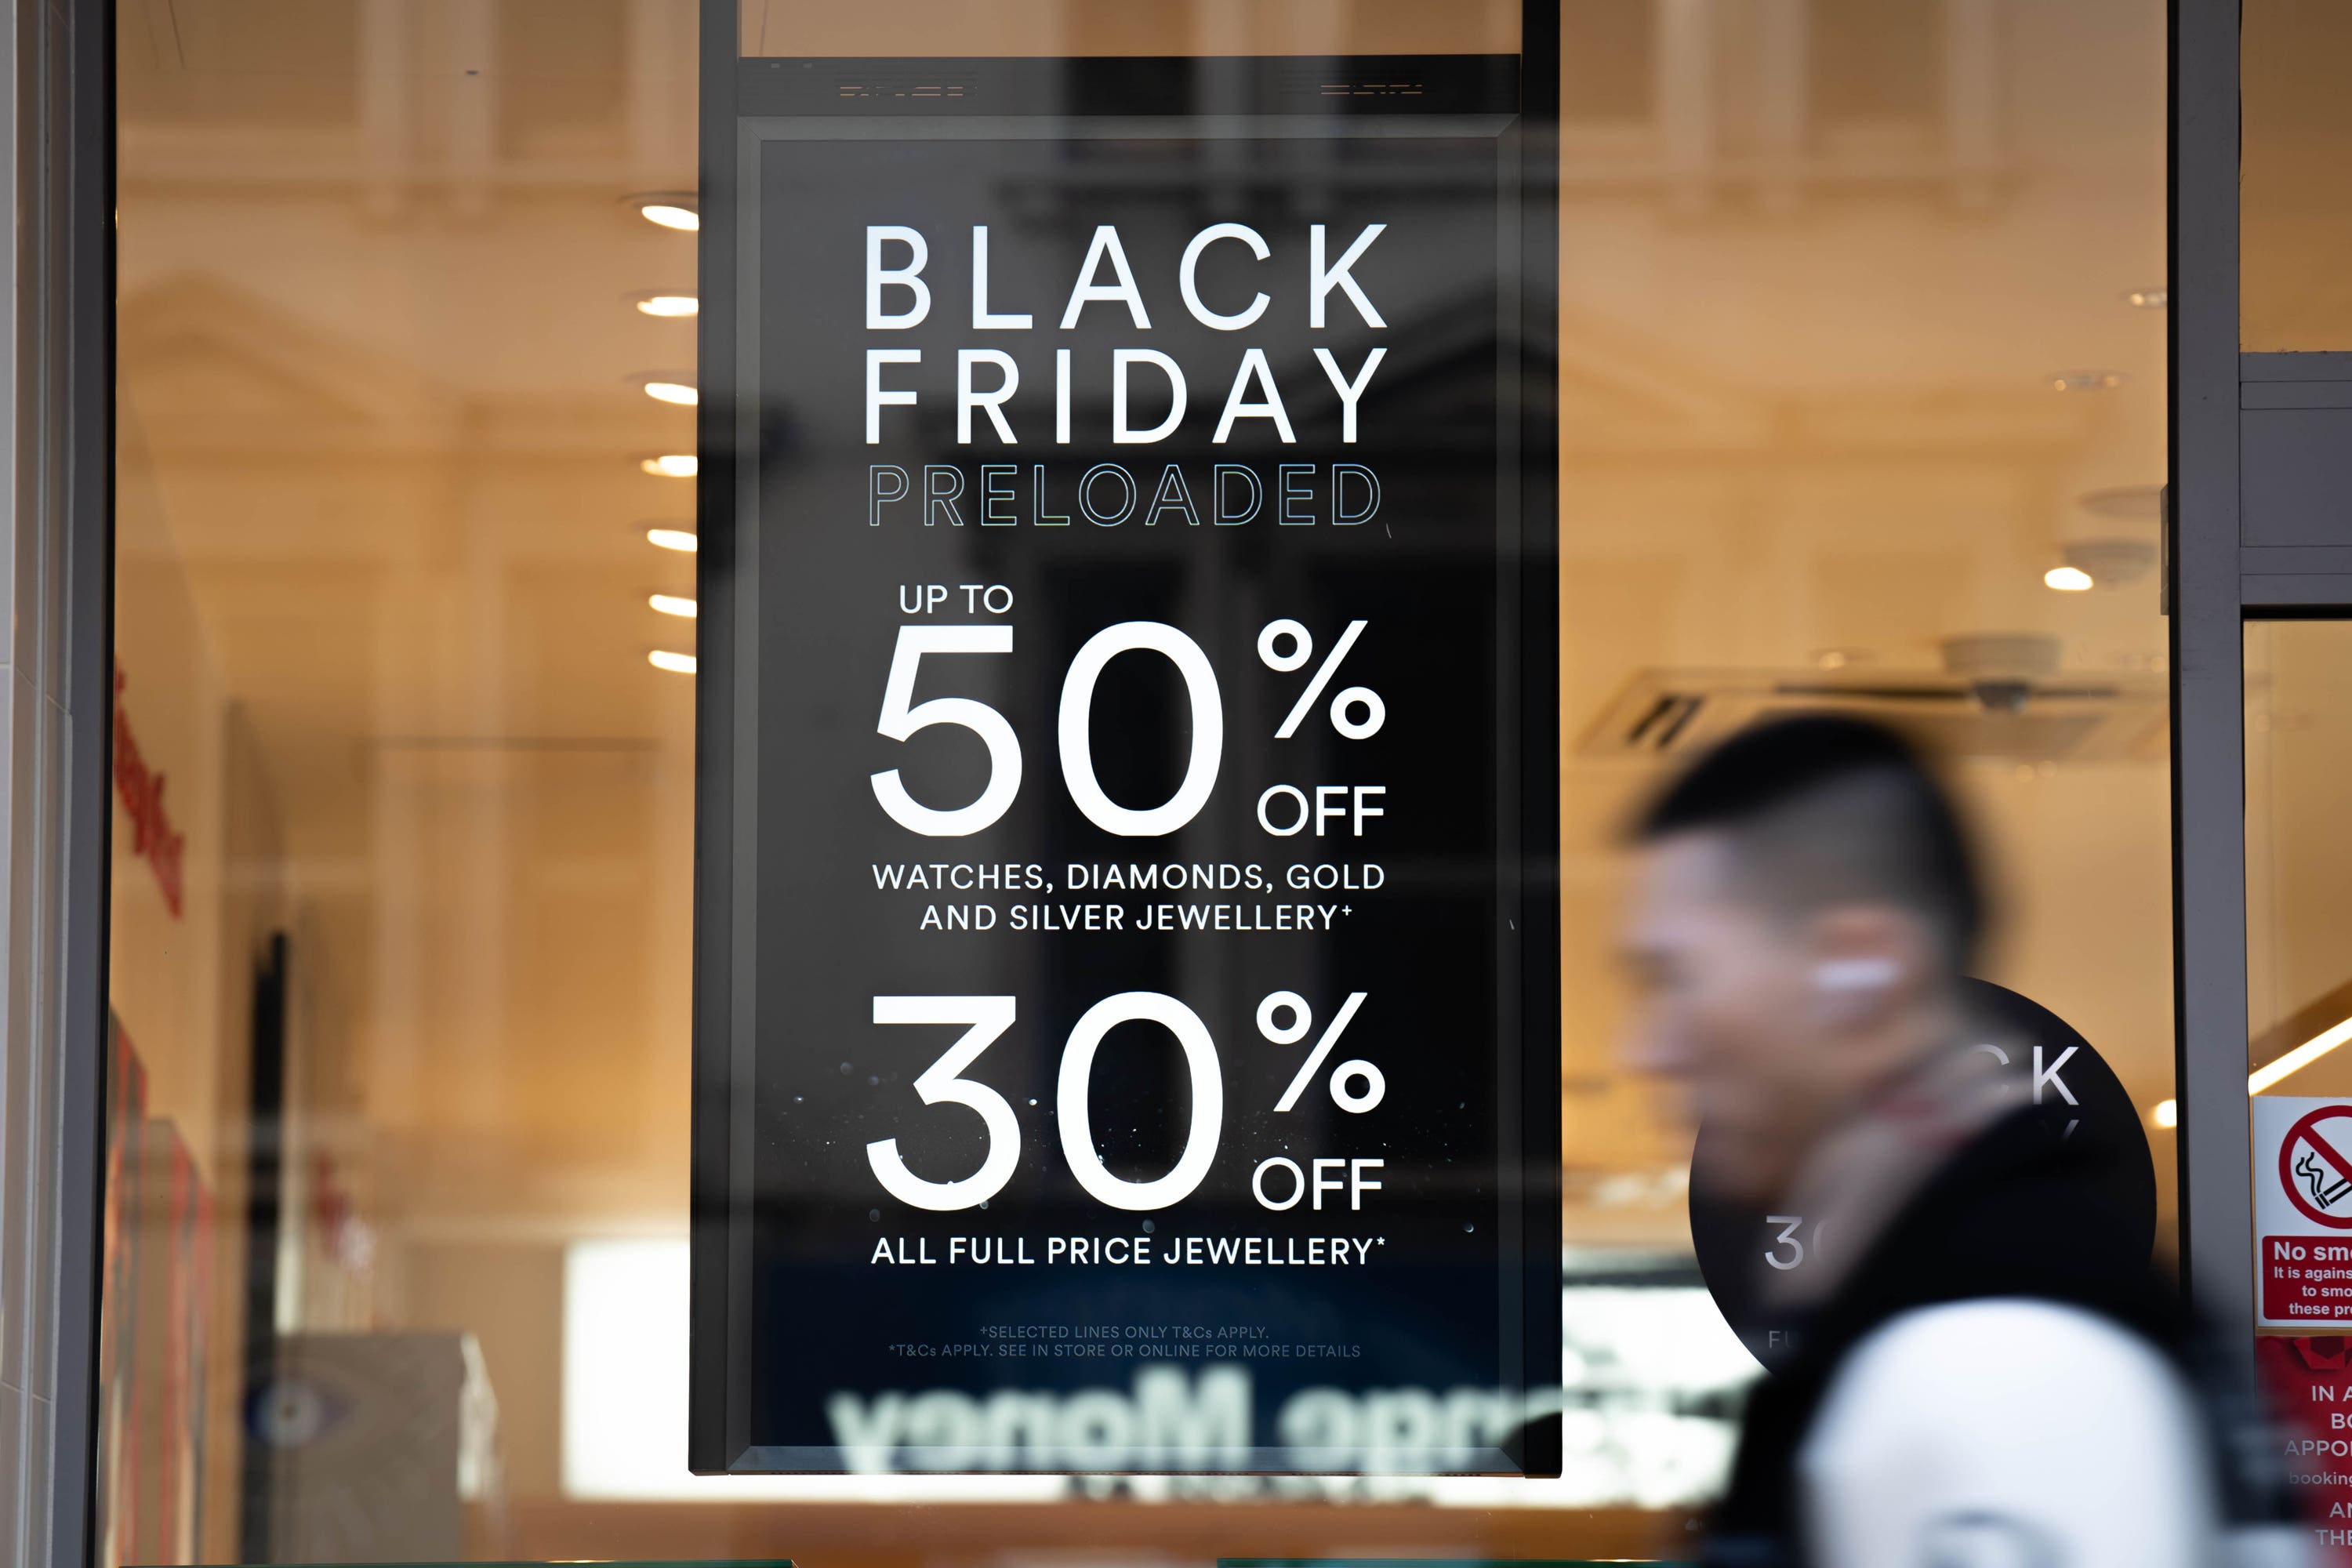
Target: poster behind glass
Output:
[{"x": 1126, "y": 1019}]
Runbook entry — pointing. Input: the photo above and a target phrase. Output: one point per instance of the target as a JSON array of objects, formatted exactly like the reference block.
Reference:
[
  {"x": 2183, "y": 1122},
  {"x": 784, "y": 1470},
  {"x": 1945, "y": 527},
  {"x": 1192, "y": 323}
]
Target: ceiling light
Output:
[
  {"x": 675, "y": 663},
  {"x": 671, "y": 604},
  {"x": 2067, "y": 579},
  {"x": 2085, "y": 381},
  {"x": 671, "y": 538},
  {"x": 656, "y": 302},
  {"x": 2156, "y": 298},
  {"x": 2167, "y": 1114},
  {"x": 671, "y": 209},
  {"x": 671, "y": 464},
  {"x": 2301, "y": 1057},
  {"x": 668, "y": 389}
]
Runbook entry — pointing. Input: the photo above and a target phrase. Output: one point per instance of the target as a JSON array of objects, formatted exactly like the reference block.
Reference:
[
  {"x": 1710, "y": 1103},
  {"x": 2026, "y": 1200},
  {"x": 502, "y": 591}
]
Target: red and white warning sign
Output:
[{"x": 2303, "y": 1210}]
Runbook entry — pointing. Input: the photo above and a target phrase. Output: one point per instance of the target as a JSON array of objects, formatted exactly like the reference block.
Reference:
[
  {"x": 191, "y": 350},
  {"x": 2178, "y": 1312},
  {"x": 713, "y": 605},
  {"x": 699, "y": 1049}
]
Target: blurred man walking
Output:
[{"x": 1984, "y": 1373}]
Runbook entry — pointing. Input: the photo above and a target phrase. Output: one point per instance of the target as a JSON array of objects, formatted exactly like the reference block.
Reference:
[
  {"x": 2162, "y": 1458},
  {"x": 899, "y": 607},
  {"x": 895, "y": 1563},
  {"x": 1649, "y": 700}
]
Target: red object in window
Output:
[
  {"x": 142, "y": 791},
  {"x": 2309, "y": 1380}
]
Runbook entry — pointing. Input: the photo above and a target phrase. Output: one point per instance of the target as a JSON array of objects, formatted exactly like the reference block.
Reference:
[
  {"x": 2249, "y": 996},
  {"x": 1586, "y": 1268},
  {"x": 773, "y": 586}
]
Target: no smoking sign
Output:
[{"x": 2303, "y": 1210}]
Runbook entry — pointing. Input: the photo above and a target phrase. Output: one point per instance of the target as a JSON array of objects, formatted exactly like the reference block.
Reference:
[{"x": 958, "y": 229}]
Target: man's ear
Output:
[{"x": 1867, "y": 960}]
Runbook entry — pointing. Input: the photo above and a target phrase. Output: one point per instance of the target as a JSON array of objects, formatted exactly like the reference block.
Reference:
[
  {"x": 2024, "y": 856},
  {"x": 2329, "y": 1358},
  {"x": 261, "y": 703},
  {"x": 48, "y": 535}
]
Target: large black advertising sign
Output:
[{"x": 1126, "y": 966}]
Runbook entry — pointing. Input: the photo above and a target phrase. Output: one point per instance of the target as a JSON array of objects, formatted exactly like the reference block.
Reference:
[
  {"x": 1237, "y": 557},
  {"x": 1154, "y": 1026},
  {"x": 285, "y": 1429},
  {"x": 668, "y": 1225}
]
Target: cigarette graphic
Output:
[{"x": 2316, "y": 1179}]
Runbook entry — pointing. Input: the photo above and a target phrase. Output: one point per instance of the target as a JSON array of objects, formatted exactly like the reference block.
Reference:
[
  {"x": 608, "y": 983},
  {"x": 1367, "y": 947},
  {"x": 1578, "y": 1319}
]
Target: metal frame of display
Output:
[
  {"x": 63, "y": 615},
  {"x": 2256, "y": 530},
  {"x": 2260, "y": 448},
  {"x": 2207, "y": 655}
]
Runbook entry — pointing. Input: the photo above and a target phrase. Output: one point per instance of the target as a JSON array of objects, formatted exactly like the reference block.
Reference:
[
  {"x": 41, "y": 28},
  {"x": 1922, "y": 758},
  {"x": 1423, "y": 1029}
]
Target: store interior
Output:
[{"x": 1861, "y": 360}]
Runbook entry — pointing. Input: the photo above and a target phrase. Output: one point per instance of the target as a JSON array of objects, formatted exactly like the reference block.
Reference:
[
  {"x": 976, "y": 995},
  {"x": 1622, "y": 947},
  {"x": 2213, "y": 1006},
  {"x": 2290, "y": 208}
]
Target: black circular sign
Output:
[{"x": 2055, "y": 1069}]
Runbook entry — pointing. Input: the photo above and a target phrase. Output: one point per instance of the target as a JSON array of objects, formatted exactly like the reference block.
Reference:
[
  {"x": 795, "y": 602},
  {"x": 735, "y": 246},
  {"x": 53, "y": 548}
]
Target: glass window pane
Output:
[
  {"x": 1863, "y": 403},
  {"x": 1860, "y": 403},
  {"x": 2298, "y": 929},
  {"x": 2298, "y": 741}
]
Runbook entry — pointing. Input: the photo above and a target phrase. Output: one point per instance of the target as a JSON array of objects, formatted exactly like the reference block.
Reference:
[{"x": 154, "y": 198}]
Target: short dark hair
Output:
[{"x": 1821, "y": 808}]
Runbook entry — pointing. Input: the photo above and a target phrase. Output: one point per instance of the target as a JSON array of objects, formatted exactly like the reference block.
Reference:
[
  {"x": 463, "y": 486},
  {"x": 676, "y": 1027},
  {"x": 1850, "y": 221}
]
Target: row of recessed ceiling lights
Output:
[
  {"x": 678, "y": 210},
  {"x": 672, "y": 210}
]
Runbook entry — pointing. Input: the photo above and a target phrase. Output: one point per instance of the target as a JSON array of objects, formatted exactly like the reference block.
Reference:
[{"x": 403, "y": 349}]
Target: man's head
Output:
[{"x": 1804, "y": 901}]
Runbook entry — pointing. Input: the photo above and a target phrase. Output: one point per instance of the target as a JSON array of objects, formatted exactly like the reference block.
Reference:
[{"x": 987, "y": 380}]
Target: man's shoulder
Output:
[
  {"x": 2019, "y": 1214},
  {"x": 2061, "y": 1432}
]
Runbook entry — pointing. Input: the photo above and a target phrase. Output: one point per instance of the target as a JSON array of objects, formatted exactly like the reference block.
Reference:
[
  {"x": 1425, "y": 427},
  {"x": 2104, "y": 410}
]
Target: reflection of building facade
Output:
[{"x": 1858, "y": 342}]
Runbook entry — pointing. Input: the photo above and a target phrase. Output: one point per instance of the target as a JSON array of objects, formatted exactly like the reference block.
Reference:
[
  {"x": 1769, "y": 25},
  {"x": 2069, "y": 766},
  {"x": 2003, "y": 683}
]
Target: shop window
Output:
[{"x": 402, "y": 874}]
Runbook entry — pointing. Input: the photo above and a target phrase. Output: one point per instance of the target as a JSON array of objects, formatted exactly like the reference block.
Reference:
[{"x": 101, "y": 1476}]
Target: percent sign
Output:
[
  {"x": 1302, "y": 648},
  {"x": 1302, "y": 1019}
]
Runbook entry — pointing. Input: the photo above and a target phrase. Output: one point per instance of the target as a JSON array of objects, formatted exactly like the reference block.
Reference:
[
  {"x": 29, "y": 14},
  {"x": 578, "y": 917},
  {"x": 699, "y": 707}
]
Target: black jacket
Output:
[{"x": 2017, "y": 1212}]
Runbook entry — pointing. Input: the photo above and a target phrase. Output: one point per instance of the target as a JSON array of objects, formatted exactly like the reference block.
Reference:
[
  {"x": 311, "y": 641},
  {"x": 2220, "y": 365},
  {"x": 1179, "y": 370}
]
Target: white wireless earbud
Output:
[{"x": 1852, "y": 975}]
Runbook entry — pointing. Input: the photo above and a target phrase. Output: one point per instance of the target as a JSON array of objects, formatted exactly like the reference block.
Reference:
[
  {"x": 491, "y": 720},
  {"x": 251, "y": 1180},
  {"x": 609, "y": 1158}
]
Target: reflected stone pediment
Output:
[{"x": 214, "y": 367}]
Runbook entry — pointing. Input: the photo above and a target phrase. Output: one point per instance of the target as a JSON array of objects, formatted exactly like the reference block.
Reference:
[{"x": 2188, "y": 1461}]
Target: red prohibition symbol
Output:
[{"x": 2318, "y": 1179}]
